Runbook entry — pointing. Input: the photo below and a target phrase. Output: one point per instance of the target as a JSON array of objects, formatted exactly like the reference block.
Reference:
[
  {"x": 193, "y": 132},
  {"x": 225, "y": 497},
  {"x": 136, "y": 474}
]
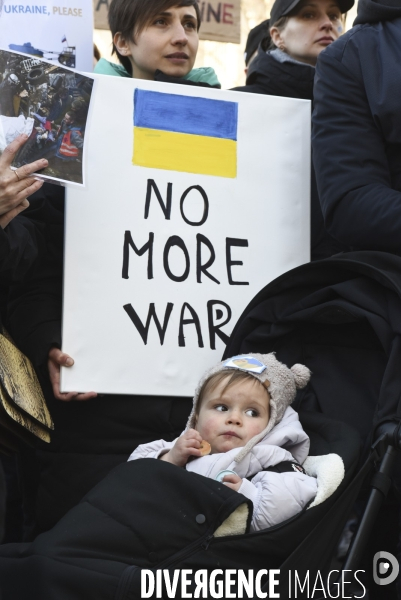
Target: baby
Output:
[{"x": 242, "y": 431}]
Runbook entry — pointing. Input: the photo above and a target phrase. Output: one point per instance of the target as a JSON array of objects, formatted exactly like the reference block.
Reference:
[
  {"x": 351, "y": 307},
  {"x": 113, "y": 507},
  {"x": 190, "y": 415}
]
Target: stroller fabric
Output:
[
  {"x": 144, "y": 515},
  {"x": 341, "y": 317}
]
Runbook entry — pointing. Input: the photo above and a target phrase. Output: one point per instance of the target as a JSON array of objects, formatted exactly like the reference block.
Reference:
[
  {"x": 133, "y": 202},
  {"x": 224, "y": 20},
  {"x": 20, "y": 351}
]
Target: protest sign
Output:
[
  {"x": 50, "y": 104},
  {"x": 61, "y": 33},
  {"x": 101, "y": 11},
  {"x": 221, "y": 21},
  {"x": 196, "y": 198}
]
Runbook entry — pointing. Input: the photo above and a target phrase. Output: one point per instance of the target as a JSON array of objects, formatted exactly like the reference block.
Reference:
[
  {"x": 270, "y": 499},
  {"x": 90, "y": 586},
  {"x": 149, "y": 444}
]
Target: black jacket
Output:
[
  {"x": 268, "y": 76},
  {"x": 357, "y": 130},
  {"x": 21, "y": 242}
]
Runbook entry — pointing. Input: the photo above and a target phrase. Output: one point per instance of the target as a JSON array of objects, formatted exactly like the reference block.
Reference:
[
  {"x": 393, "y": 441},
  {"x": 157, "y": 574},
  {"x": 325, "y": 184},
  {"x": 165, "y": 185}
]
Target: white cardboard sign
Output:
[
  {"x": 183, "y": 220},
  {"x": 59, "y": 32}
]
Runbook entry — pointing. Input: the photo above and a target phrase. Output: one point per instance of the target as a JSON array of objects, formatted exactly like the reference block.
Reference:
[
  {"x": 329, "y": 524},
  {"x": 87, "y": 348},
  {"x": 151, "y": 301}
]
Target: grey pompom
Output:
[{"x": 301, "y": 375}]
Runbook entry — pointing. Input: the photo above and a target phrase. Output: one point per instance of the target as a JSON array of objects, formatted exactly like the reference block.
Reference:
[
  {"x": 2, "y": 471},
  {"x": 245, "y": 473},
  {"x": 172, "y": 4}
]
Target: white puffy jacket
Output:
[{"x": 275, "y": 496}]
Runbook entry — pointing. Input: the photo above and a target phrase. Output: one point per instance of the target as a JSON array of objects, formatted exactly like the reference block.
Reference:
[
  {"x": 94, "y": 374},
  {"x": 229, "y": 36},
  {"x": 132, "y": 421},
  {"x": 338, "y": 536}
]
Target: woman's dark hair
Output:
[{"x": 130, "y": 17}]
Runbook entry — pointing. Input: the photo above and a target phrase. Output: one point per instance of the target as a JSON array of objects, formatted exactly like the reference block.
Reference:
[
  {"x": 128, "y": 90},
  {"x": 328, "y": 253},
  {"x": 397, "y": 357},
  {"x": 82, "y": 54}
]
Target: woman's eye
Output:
[
  {"x": 308, "y": 15},
  {"x": 190, "y": 25},
  {"x": 252, "y": 413},
  {"x": 160, "y": 22},
  {"x": 221, "y": 407},
  {"x": 334, "y": 17}
]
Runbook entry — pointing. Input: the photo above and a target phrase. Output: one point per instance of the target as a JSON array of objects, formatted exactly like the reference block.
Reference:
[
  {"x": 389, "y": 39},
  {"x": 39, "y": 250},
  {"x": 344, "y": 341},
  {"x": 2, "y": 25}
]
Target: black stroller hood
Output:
[{"x": 342, "y": 318}]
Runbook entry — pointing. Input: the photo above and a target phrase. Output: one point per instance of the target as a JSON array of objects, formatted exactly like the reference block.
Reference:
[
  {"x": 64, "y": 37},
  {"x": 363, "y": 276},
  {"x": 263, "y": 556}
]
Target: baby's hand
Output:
[
  {"x": 187, "y": 445},
  {"x": 232, "y": 481}
]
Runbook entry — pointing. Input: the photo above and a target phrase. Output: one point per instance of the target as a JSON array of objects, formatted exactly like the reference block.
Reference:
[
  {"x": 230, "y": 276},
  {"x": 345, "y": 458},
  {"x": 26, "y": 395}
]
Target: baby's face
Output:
[{"x": 231, "y": 418}]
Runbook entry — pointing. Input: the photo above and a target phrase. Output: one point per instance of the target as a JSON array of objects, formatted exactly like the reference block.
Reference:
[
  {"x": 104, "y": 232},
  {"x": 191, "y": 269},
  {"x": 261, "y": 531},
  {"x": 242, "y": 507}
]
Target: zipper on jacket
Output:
[
  {"x": 205, "y": 544},
  {"x": 202, "y": 542}
]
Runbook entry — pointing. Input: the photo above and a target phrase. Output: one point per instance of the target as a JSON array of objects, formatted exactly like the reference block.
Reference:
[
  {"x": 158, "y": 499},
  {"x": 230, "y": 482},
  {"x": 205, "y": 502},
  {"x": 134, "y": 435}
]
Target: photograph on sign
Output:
[
  {"x": 165, "y": 248},
  {"x": 60, "y": 33},
  {"x": 50, "y": 104}
]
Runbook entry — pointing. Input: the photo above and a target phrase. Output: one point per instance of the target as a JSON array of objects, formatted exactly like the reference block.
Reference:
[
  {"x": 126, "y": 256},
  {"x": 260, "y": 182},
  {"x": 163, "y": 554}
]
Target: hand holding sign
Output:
[
  {"x": 16, "y": 186},
  {"x": 56, "y": 360}
]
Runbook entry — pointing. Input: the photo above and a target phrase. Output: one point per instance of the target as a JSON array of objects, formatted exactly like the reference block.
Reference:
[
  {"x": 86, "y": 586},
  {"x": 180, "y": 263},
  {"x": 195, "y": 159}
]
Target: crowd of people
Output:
[{"x": 302, "y": 51}]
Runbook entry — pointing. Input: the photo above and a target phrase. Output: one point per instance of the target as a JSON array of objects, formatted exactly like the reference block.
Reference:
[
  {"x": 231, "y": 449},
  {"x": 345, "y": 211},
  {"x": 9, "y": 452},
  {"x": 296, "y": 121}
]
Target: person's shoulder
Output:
[
  {"x": 353, "y": 41},
  {"x": 203, "y": 75},
  {"x": 105, "y": 67}
]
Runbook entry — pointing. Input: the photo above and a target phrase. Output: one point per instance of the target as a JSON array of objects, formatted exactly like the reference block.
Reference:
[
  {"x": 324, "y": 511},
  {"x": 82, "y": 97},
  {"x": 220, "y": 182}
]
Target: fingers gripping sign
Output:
[
  {"x": 16, "y": 185},
  {"x": 56, "y": 360}
]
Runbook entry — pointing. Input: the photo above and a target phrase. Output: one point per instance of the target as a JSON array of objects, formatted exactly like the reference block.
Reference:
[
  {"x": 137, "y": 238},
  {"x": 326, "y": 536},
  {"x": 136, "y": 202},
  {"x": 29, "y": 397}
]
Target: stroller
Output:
[{"x": 340, "y": 317}]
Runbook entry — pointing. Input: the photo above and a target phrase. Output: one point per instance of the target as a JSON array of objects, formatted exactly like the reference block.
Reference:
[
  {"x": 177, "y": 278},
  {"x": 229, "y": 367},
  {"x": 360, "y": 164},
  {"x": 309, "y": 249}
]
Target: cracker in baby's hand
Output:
[{"x": 205, "y": 448}]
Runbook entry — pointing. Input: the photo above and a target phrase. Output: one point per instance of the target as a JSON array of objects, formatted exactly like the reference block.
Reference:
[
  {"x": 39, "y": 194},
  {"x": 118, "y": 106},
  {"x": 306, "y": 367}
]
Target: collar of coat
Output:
[
  {"x": 288, "y": 79},
  {"x": 373, "y": 11}
]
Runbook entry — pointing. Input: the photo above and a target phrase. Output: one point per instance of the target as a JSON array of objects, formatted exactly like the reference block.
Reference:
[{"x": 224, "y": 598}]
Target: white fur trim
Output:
[
  {"x": 235, "y": 524},
  {"x": 329, "y": 471}
]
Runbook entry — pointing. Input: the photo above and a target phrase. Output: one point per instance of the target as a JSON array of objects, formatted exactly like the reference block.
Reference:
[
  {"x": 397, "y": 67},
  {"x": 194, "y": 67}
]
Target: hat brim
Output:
[{"x": 345, "y": 5}]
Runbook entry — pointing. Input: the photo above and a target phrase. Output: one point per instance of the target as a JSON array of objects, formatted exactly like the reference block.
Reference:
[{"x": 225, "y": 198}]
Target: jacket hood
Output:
[
  {"x": 373, "y": 11},
  {"x": 280, "y": 382},
  {"x": 202, "y": 75}
]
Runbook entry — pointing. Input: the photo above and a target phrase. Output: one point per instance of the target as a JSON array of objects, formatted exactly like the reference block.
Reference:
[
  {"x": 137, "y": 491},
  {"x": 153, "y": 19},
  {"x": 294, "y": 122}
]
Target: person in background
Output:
[
  {"x": 21, "y": 242},
  {"x": 153, "y": 39},
  {"x": 357, "y": 130},
  {"x": 96, "y": 55},
  {"x": 299, "y": 31},
  {"x": 258, "y": 36},
  {"x": 156, "y": 46},
  {"x": 356, "y": 140}
]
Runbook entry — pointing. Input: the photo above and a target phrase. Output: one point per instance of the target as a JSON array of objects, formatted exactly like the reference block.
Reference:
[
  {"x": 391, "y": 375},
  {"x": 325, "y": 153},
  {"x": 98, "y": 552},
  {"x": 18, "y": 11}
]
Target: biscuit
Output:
[{"x": 205, "y": 448}]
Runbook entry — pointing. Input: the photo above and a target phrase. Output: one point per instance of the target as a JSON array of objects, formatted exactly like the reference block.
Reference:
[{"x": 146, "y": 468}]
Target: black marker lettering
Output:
[
  {"x": 143, "y": 330},
  {"x": 148, "y": 247}
]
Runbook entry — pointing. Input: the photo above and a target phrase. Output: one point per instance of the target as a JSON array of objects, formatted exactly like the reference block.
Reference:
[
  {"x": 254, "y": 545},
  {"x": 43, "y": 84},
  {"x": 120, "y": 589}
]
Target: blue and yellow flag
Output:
[{"x": 185, "y": 133}]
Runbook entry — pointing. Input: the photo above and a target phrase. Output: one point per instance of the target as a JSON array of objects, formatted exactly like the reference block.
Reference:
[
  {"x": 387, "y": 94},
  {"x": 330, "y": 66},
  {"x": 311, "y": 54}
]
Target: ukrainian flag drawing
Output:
[{"x": 185, "y": 133}]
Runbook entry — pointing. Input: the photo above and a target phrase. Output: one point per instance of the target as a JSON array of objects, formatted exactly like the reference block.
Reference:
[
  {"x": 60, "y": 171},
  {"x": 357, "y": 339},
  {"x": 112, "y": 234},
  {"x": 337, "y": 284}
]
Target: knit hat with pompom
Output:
[{"x": 280, "y": 381}]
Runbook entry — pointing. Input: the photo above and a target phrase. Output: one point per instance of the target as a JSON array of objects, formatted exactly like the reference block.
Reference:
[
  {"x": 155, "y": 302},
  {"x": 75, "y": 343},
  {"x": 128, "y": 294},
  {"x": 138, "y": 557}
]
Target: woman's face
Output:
[
  {"x": 169, "y": 43},
  {"x": 316, "y": 25}
]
